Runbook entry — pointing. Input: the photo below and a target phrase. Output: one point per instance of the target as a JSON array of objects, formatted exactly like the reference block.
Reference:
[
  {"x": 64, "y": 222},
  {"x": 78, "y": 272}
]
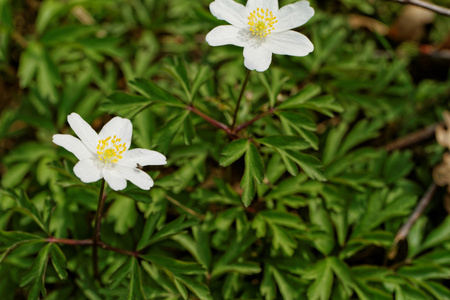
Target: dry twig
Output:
[{"x": 433, "y": 7}]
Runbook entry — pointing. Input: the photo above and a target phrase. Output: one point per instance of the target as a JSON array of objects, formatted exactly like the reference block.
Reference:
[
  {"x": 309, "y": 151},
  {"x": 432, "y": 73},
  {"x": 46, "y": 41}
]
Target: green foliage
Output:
[{"x": 296, "y": 200}]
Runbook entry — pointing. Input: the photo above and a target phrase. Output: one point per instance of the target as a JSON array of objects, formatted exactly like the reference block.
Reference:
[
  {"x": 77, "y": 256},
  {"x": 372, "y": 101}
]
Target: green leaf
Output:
[
  {"x": 309, "y": 164},
  {"x": 169, "y": 130},
  {"x": 121, "y": 273},
  {"x": 321, "y": 287},
  {"x": 203, "y": 74},
  {"x": 15, "y": 239},
  {"x": 125, "y": 104},
  {"x": 174, "y": 265},
  {"x": 198, "y": 288},
  {"x": 123, "y": 214},
  {"x": 308, "y": 92},
  {"x": 232, "y": 152},
  {"x": 436, "y": 237},
  {"x": 154, "y": 92},
  {"x": 135, "y": 292},
  {"x": 254, "y": 171},
  {"x": 37, "y": 273},
  {"x": 174, "y": 227},
  {"x": 58, "y": 261},
  {"x": 149, "y": 228},
  {"x": 177, "y": 69},
  {"x": 189, "y": 132},
  {"x": 285, "y": 142},
  {"x": 28, "y": 208}
]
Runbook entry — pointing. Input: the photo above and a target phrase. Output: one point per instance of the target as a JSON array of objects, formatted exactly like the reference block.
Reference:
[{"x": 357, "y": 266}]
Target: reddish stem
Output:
[
  {"x": 209, "y": 119},
  {"x": 260, "y": 116}
]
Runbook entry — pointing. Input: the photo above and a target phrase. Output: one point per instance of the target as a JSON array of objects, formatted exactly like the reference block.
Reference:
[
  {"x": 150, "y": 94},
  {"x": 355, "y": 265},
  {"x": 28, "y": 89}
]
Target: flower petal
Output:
[
  {"x": 87, "y": 171},
  {"x": 114, "y": 179},
  {"x": 120, "y": 127},
  {"x": 293, "y": 15},
  {"x": 143, "y": 157},
  {"x": 230, "y": 11},
  {"x": 83, "y": 130},
  {"x": 272, "y": 5},
  {"x": 228, "y": 35},
  {"x": 257, "y": 57},
  {"x": 289, "y": 43},
  {"x": 136, "y": 176},
  {"x": 72, "y": 144}
]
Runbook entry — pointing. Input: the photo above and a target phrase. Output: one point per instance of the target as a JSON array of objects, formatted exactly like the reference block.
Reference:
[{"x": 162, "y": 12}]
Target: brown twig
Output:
[
  {"x": 404, "y": 230},
  {"x": 412, "y": 138},
  {"x": 185, "y": 208},
  {"x": 430, "y": 6}
]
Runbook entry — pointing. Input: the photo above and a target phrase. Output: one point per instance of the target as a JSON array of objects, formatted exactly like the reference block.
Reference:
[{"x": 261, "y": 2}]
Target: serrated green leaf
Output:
[
  {"x": 321, "y": 287},
  {"x": 58, "y": 261},
  {"x": 37, "y": 273}
]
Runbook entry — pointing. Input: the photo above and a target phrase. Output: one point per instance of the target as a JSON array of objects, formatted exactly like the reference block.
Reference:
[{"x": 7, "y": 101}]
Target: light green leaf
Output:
[{"x": 232, "y": 152}]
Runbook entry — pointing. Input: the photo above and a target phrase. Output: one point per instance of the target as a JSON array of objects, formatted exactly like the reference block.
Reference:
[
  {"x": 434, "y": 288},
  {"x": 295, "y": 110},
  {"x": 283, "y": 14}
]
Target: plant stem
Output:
[
  {"x": 260, "y": 116},
  {"x": 209, "y": 119},
  {"x": 238, "y": 104},
  {"x": 96, "y": 236}
]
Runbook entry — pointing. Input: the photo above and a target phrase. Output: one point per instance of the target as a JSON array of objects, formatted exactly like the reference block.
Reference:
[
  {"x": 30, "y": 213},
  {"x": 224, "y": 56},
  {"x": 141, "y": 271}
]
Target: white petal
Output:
[
  {"x": 114, "y": 179},
  {"x": 136, "y": 176},
  {"x": 143, "y": 157},
  {"x": 83, "y": 130},
  {"x": 120, "y": 127},
  {"x": 72, "y": 144},
  {"x": 228, "y": 35},
  {"x": 293, "y": 15},
  {"x": 230, "y": 11},
  {"x": 257, "y": 57},
  {"x": 87, "y": 171},
  {"x": 272, "y": 5},
  {"x": 289, "y": 43}
]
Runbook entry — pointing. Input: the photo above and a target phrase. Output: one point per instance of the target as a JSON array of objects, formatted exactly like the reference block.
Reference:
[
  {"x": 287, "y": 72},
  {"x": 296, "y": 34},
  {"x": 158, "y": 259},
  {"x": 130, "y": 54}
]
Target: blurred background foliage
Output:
[{"x": 324, "y": 188}]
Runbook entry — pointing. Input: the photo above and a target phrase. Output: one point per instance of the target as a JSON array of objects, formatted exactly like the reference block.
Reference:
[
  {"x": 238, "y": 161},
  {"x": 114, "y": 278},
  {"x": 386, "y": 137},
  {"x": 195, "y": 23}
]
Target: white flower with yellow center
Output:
[
  {"x": 262, "y": 29},
  {"x": 107, "y": 154}
]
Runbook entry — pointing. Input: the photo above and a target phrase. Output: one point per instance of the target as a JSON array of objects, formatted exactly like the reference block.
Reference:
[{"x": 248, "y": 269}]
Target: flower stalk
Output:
[{"x": 97, "y": 225}]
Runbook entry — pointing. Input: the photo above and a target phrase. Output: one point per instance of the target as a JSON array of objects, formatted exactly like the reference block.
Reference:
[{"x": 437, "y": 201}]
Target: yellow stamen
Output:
[
  {"x": 110, "y": 150},
  {"x": 261, "y": 22}
]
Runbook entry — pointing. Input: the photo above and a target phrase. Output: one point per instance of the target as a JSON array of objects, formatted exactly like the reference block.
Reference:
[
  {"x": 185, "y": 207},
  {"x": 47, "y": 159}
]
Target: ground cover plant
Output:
[{"x": 224, "y": 149}]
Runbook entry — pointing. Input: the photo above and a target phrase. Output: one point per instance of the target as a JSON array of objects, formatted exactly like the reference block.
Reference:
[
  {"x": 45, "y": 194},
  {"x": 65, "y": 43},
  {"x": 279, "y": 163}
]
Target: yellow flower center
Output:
[
  {"x": 261, "y": 22},
  {"x": 110, "y": 150}
]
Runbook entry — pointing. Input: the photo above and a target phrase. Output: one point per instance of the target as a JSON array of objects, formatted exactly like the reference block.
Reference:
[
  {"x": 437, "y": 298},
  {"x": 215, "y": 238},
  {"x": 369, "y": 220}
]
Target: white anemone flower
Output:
[
  {"x": 107, "y": 154},
  {"x": 262, "y": 29}
]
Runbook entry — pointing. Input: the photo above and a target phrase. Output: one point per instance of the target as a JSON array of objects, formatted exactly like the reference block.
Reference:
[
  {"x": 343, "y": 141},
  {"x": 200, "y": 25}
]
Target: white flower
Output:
[
  {"x": 107, "y": 155},
  {"x": 262, "y": 29}
]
